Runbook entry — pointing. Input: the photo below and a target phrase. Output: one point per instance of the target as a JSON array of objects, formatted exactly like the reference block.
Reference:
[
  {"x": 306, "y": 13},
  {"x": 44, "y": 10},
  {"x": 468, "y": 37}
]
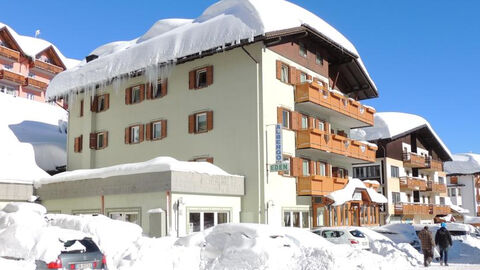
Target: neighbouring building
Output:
[
  {"x": 463, "y": 180},
  {"x": 409, "y": 167},
  {"x": 195, "y": 91},
  {"x": 27, "y": 64}
]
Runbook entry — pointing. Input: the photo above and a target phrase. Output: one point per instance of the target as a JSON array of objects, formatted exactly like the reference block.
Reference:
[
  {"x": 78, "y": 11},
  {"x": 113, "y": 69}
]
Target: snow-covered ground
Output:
[{"x": 27, "y": 233}]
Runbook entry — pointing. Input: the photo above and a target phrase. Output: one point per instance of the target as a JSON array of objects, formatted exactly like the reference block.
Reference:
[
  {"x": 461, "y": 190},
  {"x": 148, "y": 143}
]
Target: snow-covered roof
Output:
[
  {"x": 32, "y": 139},
  {"x": 464, "y": 163},
  {"x": 159, "y": 164},
  {"x": 225, "y": 22},
  {"x": 455, "y": 207},
  {"x": 32, "y": 46},
  {"x": 346, "y": 194},
  {"x": 392, "y": 125}
]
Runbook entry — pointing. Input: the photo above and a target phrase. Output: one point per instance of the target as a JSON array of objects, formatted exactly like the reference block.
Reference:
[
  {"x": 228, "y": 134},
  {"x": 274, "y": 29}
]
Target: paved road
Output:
[{"x": 452, "y": 266}]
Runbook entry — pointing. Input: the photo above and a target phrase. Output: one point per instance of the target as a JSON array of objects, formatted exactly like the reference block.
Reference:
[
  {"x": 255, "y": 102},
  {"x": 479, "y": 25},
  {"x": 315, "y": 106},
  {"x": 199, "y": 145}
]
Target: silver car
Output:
[
  {"x": 344, "y": 235},
  {"x": 81, "y": 254}
]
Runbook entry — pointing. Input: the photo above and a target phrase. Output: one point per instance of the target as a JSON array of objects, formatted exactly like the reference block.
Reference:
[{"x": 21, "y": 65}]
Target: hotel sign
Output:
[{"x": 278, "y": 144}]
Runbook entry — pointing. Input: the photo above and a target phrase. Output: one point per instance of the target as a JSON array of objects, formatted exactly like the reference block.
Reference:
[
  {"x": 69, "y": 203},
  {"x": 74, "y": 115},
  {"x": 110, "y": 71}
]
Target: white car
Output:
[
  {"x": 400, "y": 233},
  {"x": 344, "y": 235}
]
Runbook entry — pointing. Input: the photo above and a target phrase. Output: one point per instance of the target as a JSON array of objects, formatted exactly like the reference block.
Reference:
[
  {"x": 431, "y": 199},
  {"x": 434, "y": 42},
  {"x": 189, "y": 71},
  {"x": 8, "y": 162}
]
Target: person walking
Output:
[
  {"x": 426, "y": 239},
  {"x": 443, "y": 240}
]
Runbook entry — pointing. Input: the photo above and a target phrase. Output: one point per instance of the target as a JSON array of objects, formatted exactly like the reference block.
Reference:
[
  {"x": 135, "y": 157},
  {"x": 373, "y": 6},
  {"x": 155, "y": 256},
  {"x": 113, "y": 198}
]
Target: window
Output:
[
  {"x": 367, "y": 172},
  {"x": 304, "y": 122},
  {"x": 77, "y": 145},
  {"x": 284, "y": 73},
  {"x": 157, "y": 91},
  {"x": 30, "y": 96},
  {"x": 321, "y": 169},
  {"x": 339, "y": 172},
  {"x": 199, "y": 220},
  {"x": 31, "y": 74},
  {"x": 303, "y": 77},
  {"x": 200, "y": 122},
  {"x": 441, "y": 180},
  {"x": 156, "y": 130},
  {"x": 135, "y": 94},
  {"x": 203, "y": 159},
  {"x": 453, "y": 193},
  {"x": 99, "y": 140},
  {"x": 286, "y": 119},
  {"x": 129, "y": 215},
  {"x": 459, "y": 192},
  {"x": 319, "y": 59},
  {"x": 395, "y": 197},
  {"x": 395, "y": 171},
  {"x": 302, "y": 49},
  {"x": 296, "y": 218},
  {"x": 135, "y": 134},
  {"x": 306, "y": 167},
  {"x": 100, "y": 103},
  {"x": 81, "y": 108},
  {"x": 7, "y": 66},
  {"x": 200, "y": 78},
  {"x": 442, "y": 200},
  {"x": 320, "y": 125},
  {"x": 8, "y": 90}
]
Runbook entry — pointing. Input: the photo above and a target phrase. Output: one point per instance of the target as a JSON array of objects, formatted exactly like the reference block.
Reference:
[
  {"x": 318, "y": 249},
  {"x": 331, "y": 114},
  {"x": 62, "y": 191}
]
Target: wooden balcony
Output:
[
  {"x": 410, "y": 209},
  {"x": 407, "y": 182},
  {"x": 413, "y": 160},
  {"x": 433, "y": 165},
  {"x": 334, "y": 104},
  {"x": 333, "y": 143},
  {"x": 436, "y": 187},
  {"x": 9, "y": 54},
  {"x": 478, "y": 211},
  {"x": 11, "y": 77},
  {"x": 439, "y": 209},
  {"x": 44, "y": 66},
  {"x": 316, "y": 185},
  {"x": 35, "y": 84}
]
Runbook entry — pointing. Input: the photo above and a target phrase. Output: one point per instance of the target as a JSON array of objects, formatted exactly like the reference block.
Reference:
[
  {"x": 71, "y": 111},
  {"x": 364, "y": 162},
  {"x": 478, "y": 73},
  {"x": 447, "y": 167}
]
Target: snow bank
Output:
[
  {"x": 32, "y": 138},
  {"x": 159, "y": 164},
  {"x": 346, "y": 194},
  {"x": 466, "y": 163},
  {"x": 225, "y": 22},
  {"x": 17, "y": 264},
  {"x": 32, "y": 46}
]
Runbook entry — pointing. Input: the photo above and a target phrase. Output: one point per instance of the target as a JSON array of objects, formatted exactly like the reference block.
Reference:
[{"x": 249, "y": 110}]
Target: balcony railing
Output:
[
  {"x": 34, "y": 83},
  {"x": 412, "y": 183},
  {"x": 315, "y": 93},
  {"x": 413, "y": 160},
  {"x": 318, "y": 139},
  {"x": 9, "y": 54},
  {"x": 433, "y": 165},
  {"x": 316, "y": 185},
  {"x": 478, "y": 211},
  {"x": 54, "y": 69},
  {"x": 439, "y": 210},
  {"x": 11, "y": 76},
  {"x": 436, "y": 187},
  {"x": 411, "y": 209}
]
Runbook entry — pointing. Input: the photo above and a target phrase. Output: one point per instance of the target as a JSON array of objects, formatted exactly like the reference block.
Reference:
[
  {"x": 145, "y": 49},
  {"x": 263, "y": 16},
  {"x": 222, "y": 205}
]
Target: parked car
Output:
[
  {"x": 77, "y": 254},
  {"x": 344, "y": 235},
  {"x": 400, "y": 233}
]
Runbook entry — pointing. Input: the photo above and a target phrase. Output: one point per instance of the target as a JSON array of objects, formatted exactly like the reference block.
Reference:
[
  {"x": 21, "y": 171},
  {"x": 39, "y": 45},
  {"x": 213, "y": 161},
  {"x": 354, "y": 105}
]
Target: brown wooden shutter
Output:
[
  {"x": 209, "y": 120},
  {"x": 148, "y": 131},
  {"x": 94, "y": 104},
  {"x": 296, "y": 122},
  {"x": 164, "y": 88},
  {"x": 279, "y": 115},
  {"x": 142, "y": 134},
  {"x": 164, "y": 129},
  {"x": 293, "y": 75},
  {"x": 345, "y": 173},
  {"x": 319, "y": 164},
  {"x": 80, "y": 143},
  {"x": 327, "y": 170},
  {"x": 279, "y": 70},
  {"x": 105, "y": 139},
  {"x": 93, "y": 140},
  {"x": 209, "y": 75},
  {"x": 295, "y": 166},
  {"x": 150, "y": 87},
  {"x": 335, "y": 172},
  {"x": 128, "y": 95},
  {"x": 299, "y": 75},
  {"x": 107, "y": 102},
  {"x": 75, "y": 145},
  {"x": 327, "y": 127},
  {"x": 142, "y": 92},
  {"x": 311, "y": 122},
  {"x": 81, "y": 108},
  {"x": 127, "y": 135},
  {"x": 191, "y": 123},
  {"x": 312, "y": 167},
  {"x": 191, "y": 79},
  {"x": 210, "y": 159}
]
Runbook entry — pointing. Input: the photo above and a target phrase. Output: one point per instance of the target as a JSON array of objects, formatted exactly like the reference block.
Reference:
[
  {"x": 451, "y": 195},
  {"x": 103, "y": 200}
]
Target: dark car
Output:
[{"x": 78, "y": 254}]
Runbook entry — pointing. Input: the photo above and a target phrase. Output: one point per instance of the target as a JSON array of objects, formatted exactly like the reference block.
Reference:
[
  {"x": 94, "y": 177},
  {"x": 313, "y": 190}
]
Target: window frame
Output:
[
  {"x": 394, "y": 171},
  {"x": 286, "y": 120},
  {"x": 126, "y": 211},
  {"x": 98, "y": 146},
  {"x": 291, "y": 214},
  {"x": 197, "y": 125},
  {"x": 136, "y": 88},
  {"x": 285, "y": 73},
  {"x": 202, "y": 210},
  {"x": 198, "y": 72},
  {"x": 302, "y": 49},
  {"x": 307, "y": 168},
  {"x": 156, "y": 123},
  {"x": 134, "y": 130}
]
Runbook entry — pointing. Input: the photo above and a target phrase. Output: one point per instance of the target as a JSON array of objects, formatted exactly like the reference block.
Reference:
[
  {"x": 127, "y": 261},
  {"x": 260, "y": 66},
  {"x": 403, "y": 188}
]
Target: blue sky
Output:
[{"x": 423, "y": 55}]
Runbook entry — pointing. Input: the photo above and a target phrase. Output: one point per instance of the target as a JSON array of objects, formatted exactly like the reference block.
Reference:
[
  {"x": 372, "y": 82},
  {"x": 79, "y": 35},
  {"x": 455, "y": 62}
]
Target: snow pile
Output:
[
  {"x": 346, "y": 194},
  {"x": 454, "y": 207},
  {"x": 224, "y": 23},
  {"x": 33, "y": 46},
  {"x": 159, "y": 164},
  {"x": 465, "y": 249},
  {"x": 471, "y": 220},
  {"x": 399, "y": 232},
  {"x": 389, "y": 125},
  {"x": 32, "y": 138},
  {"x": 466, "y": 163}
]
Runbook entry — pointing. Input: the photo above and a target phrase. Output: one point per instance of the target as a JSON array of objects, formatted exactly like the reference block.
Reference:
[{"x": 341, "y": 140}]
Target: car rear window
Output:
[
  {"x": 357, "y": 233},
  {"x": 332, "y": 234},
  {"x": 84, "y": 245}
]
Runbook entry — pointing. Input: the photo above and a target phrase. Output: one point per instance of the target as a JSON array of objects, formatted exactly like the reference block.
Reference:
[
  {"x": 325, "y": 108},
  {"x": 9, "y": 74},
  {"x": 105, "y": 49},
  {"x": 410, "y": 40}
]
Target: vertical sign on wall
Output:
[{"x": 278, "y": 144}]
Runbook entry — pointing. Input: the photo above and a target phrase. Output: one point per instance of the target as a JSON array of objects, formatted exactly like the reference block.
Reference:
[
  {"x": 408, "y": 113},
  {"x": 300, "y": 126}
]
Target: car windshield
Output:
[
  {"x": 79, "y": 246},
  {"x": 357, "y": 233}
]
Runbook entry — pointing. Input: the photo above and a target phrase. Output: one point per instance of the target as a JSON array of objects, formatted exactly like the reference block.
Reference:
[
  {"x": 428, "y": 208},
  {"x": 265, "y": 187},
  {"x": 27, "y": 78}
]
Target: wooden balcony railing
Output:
[
  {"x": 32, "y": 82},
  {"x": 478, "y": 211},
  {"x": 413, "y": 183},
  {"x": 413, "y": 160},
  {"x": 316, "y": 185},
  {"x": 46, "y": 66},
  {"x": 9, "y": 54},
  {"x": 11, "y": 76},
  {"x": 315, "y": 93},
  {"x": 319, "y": 139},
  {"x": 404, "y": 209},
  {"x": 436, "y": 187},
  {"x": 439, "y": 210},
  {"x": 433, "y": 165}
]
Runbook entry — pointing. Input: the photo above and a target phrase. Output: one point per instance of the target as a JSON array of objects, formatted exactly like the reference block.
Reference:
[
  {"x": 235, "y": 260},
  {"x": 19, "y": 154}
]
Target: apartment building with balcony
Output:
[
  {"x": 409, "y": 166},
  {"x": 222, "y": 103},
  {"x": 463, "y": 180},
  {"x": 27, "y": 64}
]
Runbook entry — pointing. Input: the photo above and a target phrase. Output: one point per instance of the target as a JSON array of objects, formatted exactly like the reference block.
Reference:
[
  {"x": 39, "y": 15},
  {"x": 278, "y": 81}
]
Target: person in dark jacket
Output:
[
  {"x": 443, "y": 240},
  {"x": 426, "y": 239}
]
